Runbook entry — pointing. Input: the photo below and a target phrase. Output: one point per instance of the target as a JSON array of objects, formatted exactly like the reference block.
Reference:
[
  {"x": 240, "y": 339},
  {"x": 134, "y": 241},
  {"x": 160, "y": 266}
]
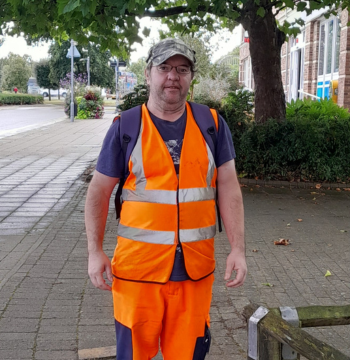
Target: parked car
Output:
[{"x": 45, "y": 92}]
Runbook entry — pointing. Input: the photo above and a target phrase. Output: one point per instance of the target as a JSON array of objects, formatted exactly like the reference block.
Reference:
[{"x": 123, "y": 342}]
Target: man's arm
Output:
[
  {"x": 232, "y": 213},
  {"x": 96, "y": 211}
]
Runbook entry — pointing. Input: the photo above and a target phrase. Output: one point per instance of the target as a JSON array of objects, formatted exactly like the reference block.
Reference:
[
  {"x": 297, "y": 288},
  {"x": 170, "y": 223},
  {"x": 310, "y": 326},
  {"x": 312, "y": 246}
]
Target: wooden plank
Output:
[
  {"x": 269, "y": 348},
  {"x": 313, "y": 316},
  {"x": 297, "y": 339}
]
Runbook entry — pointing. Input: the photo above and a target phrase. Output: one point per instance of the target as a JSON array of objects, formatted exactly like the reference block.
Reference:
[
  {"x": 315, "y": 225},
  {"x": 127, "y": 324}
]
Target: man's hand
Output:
[
  {"x": 99, "y": 264},
  {"x": 235, "y": 262}
]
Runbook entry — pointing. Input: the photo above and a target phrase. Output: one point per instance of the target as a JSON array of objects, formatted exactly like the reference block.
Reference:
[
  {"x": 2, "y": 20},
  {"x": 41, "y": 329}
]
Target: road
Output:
[{"x": 17, "y": 119}]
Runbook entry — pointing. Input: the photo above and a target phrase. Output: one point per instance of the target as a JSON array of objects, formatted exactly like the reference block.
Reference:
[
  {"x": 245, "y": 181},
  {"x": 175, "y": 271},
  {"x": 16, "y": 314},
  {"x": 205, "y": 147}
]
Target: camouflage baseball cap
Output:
[{"x": 167, "y": 48}]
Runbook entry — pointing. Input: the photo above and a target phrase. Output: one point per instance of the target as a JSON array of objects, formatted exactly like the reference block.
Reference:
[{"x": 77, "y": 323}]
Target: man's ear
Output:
[{"x": 147, "y": 75}]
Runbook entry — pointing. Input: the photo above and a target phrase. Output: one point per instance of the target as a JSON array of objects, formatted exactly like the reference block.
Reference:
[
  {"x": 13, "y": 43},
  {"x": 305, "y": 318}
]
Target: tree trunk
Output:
[
  {"x": 265, "y": 42},
  {"x": 49, "y": 94}
]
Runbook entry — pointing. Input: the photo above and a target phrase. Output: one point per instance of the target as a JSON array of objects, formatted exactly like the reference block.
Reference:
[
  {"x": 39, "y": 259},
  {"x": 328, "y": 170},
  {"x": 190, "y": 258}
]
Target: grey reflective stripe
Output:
[
  {"x": 196, "y": 194},
  {"x": 137, "y": 161},
  {"x": 151, "y": 196},
  {"x": 148, "y": 236},
  {"x": 197, "y": 234},
  {"x": 211, "y": 166}
]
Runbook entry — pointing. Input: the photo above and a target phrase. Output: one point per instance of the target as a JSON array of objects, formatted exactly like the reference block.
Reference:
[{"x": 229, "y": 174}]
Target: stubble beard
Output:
[{"x": 161, "y": 96}]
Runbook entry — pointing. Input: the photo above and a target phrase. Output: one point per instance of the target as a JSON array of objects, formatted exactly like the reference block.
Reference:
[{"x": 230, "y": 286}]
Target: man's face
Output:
[{"x": 169, "y": 88}]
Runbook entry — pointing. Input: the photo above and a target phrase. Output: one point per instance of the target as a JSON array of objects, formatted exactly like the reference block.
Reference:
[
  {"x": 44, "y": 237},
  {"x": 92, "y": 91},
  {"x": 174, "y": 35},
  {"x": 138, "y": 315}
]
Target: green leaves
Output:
[
  {"x": 301, "y": 6},
  {"x": 72, "y": 4},
  {"x": 261, "y": 12},
  {"x": 146, "y": 31}
]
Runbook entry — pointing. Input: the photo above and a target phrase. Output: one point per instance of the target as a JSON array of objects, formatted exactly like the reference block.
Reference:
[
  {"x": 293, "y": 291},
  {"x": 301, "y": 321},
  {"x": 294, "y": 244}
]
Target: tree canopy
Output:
[
  {"x": 115, "y": 25},
  {"x": 16, "y": 71},
  {"x": 42, "y": 74}
]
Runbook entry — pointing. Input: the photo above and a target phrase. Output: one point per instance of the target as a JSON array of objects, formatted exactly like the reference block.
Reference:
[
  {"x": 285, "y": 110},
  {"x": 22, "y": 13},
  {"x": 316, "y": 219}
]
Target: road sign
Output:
[{"x": 75, "y": 52}]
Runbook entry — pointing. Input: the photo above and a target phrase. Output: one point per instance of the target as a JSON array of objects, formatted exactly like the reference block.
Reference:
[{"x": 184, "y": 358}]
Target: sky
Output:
[{"x": 224, "y": 43}]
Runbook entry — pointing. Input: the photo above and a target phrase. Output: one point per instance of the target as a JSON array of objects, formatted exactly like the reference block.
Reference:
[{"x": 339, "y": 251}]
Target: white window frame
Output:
[
  {"x": 247, "y": 73},
  {"x": 298, "y": 44},
  {"x": 325, "y": 77}
]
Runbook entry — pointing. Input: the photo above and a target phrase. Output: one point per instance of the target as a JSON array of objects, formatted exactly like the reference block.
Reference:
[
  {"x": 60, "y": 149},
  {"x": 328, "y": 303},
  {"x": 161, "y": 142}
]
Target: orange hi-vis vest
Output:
[{"x": 161, "y": 209}]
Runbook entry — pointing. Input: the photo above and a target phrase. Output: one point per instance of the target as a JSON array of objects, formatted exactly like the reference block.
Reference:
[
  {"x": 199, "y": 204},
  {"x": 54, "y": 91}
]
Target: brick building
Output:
[{"x": 318, "y": 55}]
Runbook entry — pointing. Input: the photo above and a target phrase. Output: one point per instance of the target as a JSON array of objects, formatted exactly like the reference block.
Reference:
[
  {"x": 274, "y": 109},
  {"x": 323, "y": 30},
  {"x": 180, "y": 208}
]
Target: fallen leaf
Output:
[
  {"x": 282, "y": 242},
  {"x": 292, "y": 250},
  {"x": 267, "y": 284},
  {"x": 257, "y": 186},
  {"x": 243, "y": 185},
  {"x": 346, "y": 189},
  {"x": 254, "y": 250},
  {"x": 318, "y": 186},
  {"x": 337, "y": 189},
  {"x": 300, "y": 220},
  {"x": 328, "y": 273},
  {"x": 314, "y": 199},
  {"x": 288, "y": 224},
  {"x": 313, "y": 192},
  {"x": 329, "y": 244},
  {"x": 251, "y": 189},
  {"x": 343, "y": 231}
]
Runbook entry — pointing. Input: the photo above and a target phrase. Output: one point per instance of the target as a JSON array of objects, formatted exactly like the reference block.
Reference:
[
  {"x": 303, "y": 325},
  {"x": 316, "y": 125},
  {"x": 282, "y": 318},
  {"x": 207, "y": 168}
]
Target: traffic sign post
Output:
[{"x": 72, "y": 53}]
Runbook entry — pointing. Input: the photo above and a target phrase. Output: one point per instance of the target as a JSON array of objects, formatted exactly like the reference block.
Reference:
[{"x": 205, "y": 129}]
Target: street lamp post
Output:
[
  {"x": 72, "y": 53},
  {"x": 72, "y": 82},
  {"x": 117, "y": 85}
]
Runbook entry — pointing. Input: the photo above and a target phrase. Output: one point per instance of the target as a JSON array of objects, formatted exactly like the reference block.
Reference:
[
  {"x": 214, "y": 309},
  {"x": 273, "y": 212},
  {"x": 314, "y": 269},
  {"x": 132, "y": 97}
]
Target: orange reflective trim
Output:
[
  {"x": 213, "y": 180},
  {"x": 197, "y": 214},
  {"x": 139, "y": 261},
  {"x": 199, "y": 258},
  {"x": 215, "y": 116},
  {"x": 151, "y": 216},
  {"x": 130, "y": 182},
  {"x": 158, "y": 166}
]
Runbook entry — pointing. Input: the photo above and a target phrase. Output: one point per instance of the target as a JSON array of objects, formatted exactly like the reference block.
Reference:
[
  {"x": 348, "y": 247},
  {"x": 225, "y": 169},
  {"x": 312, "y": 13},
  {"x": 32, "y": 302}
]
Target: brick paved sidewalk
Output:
[{"x": 50, "y": 310}]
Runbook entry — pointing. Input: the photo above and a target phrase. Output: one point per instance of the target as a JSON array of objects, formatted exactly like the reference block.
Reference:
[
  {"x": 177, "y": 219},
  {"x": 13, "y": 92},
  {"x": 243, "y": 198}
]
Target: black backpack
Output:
[{"x": 130, "y": 122}]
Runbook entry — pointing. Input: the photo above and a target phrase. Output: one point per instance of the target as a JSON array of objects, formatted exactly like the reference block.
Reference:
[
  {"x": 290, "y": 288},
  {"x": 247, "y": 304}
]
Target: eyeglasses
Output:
[{"x": 181, "y": 69}]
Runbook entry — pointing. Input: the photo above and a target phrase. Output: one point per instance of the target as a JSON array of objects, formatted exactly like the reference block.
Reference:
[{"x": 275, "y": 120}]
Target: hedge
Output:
[{"x": 20, "y": 99}]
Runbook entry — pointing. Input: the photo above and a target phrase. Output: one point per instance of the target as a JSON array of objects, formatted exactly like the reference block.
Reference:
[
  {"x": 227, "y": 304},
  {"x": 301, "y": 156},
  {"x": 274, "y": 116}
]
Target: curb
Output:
[{"x": 294, "y": 184}]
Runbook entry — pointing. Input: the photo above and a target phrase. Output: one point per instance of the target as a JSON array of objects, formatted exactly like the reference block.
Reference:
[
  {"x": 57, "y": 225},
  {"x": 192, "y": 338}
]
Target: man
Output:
[{"x": 162, "y": 269}]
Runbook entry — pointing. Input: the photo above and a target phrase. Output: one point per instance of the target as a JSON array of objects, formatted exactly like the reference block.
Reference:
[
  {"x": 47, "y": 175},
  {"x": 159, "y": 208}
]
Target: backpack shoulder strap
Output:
[
  {"x": 208, "y": 122},
  {"x": 130, "y": 122}
]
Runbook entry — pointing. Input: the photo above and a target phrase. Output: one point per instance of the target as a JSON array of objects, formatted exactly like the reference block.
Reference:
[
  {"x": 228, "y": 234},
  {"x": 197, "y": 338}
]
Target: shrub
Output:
[
  {"x": 90, "y": 105},
  {"x": 311, "y": 144},
  {"x": 237, "y": 110},
  {"x": 137, "y": 97},
  {"x": 210, "y": 90},
  {"x": 20, "y": 99}
]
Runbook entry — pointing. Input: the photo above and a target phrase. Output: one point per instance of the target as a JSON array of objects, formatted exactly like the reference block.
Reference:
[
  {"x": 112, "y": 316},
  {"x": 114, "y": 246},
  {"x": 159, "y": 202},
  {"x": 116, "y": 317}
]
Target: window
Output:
[
  {"x": 322, "y": 46},
  {"x": 248, "y": 75},
  {"x": 329, "y": 47},
  {"x": 337, "y": 48},
  {"x": 328, "y": 61}
]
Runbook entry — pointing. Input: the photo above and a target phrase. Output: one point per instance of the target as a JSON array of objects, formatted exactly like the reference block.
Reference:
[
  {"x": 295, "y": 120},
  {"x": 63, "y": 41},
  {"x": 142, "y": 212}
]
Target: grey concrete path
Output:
[{"x": 50, "y": 310}]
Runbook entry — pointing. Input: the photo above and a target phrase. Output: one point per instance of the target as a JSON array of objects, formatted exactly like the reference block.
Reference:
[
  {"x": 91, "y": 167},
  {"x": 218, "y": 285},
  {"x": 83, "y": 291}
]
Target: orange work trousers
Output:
[{"x": 176, "y": 314}]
